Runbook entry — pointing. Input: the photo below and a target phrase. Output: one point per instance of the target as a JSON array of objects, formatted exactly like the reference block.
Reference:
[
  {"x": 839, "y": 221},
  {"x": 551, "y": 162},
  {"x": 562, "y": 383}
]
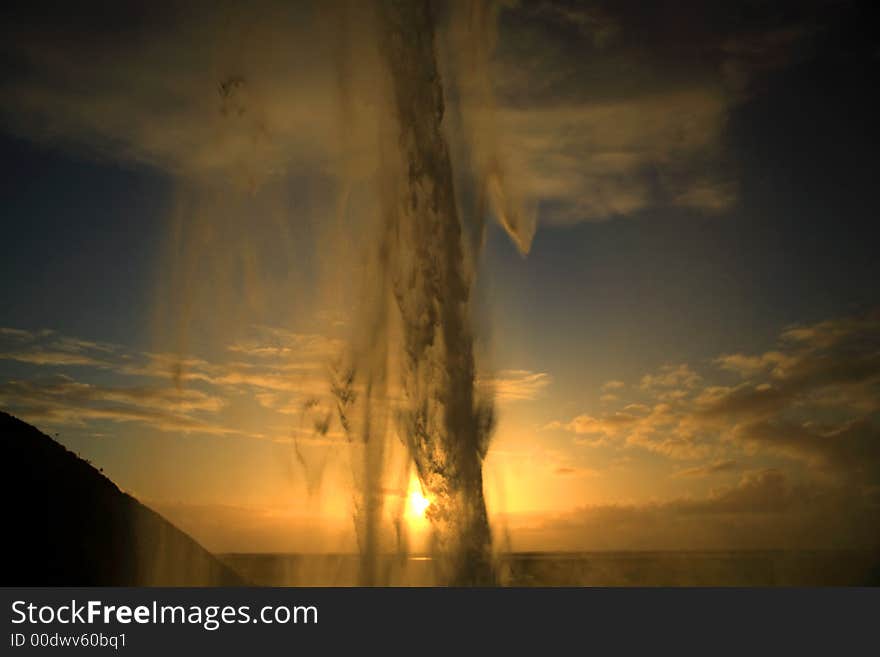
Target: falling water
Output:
[
  {"x": 424, "y": 286},
  {"x": 409, "y": 375},
  {"x": 445, "y": 428}
]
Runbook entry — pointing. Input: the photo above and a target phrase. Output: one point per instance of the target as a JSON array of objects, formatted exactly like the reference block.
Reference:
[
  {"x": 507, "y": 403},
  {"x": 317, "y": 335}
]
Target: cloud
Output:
[
  {"x": 747, "y": 366},
  {"x": 609, "y": 425},
  {"x": 48, "y": 357},
  {"x": 764, "y": 491},
  {"x": 204, "y": 88},
  {"x": 721, "y": 466},
  {"x": 671, "y": 376},
  {"x": 161, "y": 391},
  {"x": 62, "y": 400},
  {"x": 764, "y": 510},
  {"x": 517, "y": 385},
  {"x": 275, "y": 360},
  {"x": 598, "y": 110},
  {"x": 15, "y": 333},
  {"x": 852, "y": 448},
  {"x": 833, "y": 364},
  {"x": 656, "y": 428},
  {"x": 600, "y": 159},
  {"x": 815, "y": 399},
  {"x": 273, "y": 369},
  {"x": 281, "y": 344},
  {"x": 615, "y": 108},
  {"x": 46, "y": 347},
  {"x": 571, "y": 471}
]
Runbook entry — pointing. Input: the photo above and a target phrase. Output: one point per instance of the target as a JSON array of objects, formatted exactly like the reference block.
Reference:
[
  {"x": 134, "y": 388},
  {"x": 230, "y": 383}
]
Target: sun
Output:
[{"x": 416, "y": 503}]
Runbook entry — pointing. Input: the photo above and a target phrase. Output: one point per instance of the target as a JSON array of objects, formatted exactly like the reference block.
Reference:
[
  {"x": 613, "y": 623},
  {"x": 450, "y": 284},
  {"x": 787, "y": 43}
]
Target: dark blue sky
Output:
[{"x": 82, "y": 242}]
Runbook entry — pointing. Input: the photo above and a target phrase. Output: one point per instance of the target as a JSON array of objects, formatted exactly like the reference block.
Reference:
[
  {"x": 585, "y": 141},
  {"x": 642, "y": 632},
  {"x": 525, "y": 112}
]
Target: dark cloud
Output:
[
  {"x": 765, "y": 510},
  {"x": 764, "y": 491},
  {"x": 852, "y": 449},
  {"x": 716, "y": 467},
  {"x": 813, "y": 399},
  {"x": 613, "y": 108},
  {"x": 602, "y": 109},
  {"x": 145, "y": 83}
]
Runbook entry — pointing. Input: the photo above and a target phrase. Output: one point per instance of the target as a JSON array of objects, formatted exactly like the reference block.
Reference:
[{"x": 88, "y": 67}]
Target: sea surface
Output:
[{"x": 639, "y": 568}]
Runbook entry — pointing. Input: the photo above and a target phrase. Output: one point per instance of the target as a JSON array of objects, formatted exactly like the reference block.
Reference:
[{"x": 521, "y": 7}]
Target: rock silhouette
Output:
[{"x": 69, "y": 525}]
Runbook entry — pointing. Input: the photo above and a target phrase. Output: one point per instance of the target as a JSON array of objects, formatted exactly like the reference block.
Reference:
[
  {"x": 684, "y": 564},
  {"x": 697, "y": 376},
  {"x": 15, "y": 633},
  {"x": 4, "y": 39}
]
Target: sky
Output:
[{"x": 676, "y": 302}]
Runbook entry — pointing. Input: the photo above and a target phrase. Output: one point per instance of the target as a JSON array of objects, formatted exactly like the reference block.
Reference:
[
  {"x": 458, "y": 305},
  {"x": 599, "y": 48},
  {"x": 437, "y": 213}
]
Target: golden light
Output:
[{"x": 416, "y": 502}]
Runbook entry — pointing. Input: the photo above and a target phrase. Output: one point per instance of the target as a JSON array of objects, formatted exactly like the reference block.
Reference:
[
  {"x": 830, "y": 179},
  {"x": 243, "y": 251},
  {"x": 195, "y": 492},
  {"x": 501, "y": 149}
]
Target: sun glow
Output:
[{"x": 416, "y": 503}]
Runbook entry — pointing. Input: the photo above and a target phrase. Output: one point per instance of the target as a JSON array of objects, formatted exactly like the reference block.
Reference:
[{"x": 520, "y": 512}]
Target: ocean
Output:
[{"x": 636, "y": 568}]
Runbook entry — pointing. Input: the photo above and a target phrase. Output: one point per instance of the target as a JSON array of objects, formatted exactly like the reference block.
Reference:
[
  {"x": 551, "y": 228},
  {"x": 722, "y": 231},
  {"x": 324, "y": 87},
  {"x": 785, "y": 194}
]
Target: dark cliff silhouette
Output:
[{"x": 65, "y": 523}]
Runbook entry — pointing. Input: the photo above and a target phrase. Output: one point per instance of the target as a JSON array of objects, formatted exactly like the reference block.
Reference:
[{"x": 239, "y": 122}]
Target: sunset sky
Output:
[{"x": 688, "y": 355}]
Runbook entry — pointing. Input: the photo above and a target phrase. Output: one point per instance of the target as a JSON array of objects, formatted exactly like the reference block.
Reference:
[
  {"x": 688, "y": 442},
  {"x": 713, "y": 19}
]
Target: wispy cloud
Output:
[
  {"x": 161, "y": 391},
  {"x": 63, "y": 401},
  {"x": 274, "y": 370},
  {"x": 715, "y": 467},
  {"x": 670, "y": 376},
  {"x": 517, "y": 385}
]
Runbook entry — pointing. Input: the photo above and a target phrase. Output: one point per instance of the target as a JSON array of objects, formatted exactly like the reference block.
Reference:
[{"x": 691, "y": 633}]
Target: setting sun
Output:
[{"x": 416, "y": 503}]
